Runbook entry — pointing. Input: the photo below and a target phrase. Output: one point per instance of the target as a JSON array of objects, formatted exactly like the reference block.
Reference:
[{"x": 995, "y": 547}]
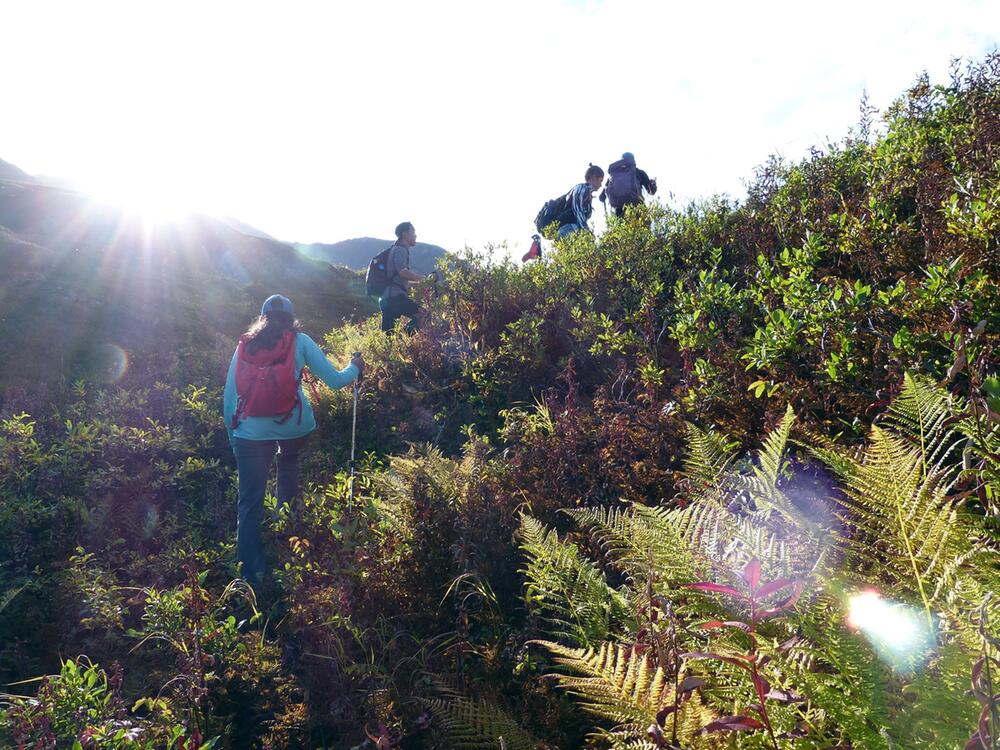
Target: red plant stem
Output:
[
  {"x": 677, "y": 671},
  {"x": 756, "y": 674}
]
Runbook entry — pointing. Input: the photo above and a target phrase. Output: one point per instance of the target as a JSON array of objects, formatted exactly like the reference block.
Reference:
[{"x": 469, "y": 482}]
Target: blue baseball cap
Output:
[
  {"x": 629, "y": 157},
  {"x": 277, "y": 302}
]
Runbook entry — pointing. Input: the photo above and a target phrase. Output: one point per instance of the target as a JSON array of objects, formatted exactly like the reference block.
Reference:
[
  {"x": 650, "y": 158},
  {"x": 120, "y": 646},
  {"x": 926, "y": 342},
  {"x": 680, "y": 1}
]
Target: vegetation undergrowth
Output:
[{"x": 725, "y": 476}]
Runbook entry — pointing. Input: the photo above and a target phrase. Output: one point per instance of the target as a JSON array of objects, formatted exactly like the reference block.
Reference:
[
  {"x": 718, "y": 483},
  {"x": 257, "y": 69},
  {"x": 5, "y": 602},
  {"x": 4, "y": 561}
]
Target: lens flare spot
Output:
[
  {"x": 901, "y": 635},
  {"x": 102, "y": 363},
  {"x": 114, "y": 362}
]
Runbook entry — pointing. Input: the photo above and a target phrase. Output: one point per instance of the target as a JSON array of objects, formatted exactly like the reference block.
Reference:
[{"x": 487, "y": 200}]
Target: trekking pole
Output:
[{"x": 354, "y": 428}]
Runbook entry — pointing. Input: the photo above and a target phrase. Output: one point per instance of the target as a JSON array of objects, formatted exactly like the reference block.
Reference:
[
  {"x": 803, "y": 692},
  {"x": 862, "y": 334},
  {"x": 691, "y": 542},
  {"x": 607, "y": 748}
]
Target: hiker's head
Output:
[
  {"x": 276, "y": 317},
  {"x": 406, "y": 235},
  {"x": 629, "y": 158},
  {"x": 277, "y": 303},
  {"x": 594, "y": 176}
]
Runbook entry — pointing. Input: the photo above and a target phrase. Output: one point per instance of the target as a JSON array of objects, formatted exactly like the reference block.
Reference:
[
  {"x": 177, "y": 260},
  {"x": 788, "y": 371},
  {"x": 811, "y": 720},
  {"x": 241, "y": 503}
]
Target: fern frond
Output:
[
  {"x": 703, "y": 540},
  {"x": 843, "y": 680},
  {"x": 478, "y": 725},
  {"x": 567, "y": 591},
  {"x": 900, "y": 520},
  {"x": 767, "y": 501},
  {"x": 921, "y": 413},
  {"x": 709, "y": 457},
  {"x": 772, "y": 455},
  {"x": 705, "y": 527},
  {"x": 843, "y": 463},
  {"x": 616, "y": 683},
  {"x": 941, "y": 710},
  {"x": 638, "y": 537},
  {"x": 422, "y": 468}
]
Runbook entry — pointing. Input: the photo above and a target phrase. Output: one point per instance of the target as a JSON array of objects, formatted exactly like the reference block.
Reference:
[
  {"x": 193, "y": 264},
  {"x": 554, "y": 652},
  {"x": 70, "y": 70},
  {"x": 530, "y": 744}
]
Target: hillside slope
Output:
[
  {"x": 9, "y": 171},
  {"x": 78, "y": 276},
  {"x": 724, "y": 476}
]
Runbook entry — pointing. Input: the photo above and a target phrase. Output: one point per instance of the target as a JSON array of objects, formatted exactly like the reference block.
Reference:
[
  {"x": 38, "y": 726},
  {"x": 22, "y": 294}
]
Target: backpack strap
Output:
[
  {"x": 241, "y": 400},
  {"x": 298, "y": 383}
]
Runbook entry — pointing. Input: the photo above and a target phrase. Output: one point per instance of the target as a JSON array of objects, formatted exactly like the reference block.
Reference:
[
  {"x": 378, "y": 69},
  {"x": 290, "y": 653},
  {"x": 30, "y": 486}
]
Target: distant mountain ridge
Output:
[
  {"x": 242, "y": 226},
  {"x": 356, "y": 253},
  {"x": 10, "y": 172}
]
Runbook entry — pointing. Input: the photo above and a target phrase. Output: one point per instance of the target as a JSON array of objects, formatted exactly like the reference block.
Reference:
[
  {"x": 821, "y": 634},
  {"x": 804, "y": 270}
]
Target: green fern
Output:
[
  {"x": 846, "y": 685},
  {"x": 619, "y": 684},
  {"x": 900, "y": 529},
  {"x": 710, "y": 456},
  {"x": 478, "y": 725},
  {"x": 900, "y": 523},
  {"x": 565, "y": 590},
  {"x": 923, "y": 413},
  {"x": 637, "y": 538},
  {"x": 422, "y": 466},
  {"x": 771, "y": 457},
  {"x": 941, "y": 716}
]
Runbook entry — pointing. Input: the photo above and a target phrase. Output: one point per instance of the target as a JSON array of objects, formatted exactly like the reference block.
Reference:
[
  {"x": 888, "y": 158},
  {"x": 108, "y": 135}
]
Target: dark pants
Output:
[
  {"x": 393, "y": 308},
  {"x": 253, "y": 463},
  {"x": 620, "y": 210}
]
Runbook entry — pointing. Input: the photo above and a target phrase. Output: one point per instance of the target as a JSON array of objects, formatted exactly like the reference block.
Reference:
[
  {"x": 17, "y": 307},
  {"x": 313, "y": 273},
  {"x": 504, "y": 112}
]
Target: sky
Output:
[{"x": 322, "y": 121}]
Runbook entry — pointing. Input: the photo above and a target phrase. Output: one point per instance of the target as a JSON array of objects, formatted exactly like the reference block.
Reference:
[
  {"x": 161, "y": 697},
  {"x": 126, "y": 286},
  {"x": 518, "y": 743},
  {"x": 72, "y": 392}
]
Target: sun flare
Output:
[{"x": 156, "y": 201}]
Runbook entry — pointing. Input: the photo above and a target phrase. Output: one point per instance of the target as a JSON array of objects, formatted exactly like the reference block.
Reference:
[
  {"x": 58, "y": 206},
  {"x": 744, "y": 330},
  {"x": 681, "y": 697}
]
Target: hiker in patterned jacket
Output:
[
  {"x": 625, "y": 185},
  {"x": 269, "y": 417},
  {"x": 569, "y": 212},
  {"x": 580, "y": 200}
]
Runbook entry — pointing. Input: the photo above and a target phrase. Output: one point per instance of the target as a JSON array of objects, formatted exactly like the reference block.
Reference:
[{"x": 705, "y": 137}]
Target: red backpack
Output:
[{"x": 266, "y": 385}]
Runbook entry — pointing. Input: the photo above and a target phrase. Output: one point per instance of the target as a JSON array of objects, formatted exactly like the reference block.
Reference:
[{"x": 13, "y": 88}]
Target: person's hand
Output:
[{"x": 358, "y": 361}]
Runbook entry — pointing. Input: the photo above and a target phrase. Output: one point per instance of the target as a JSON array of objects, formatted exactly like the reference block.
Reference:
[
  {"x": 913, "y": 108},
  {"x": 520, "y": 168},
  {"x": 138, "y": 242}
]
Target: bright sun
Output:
[
  {"x": 156, "y": 200},
  {"x": 148, "y": 176}
]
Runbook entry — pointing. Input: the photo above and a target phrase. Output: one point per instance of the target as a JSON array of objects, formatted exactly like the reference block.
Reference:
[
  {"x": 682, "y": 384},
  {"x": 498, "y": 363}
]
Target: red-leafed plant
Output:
[{"x": 756, "y": 598}]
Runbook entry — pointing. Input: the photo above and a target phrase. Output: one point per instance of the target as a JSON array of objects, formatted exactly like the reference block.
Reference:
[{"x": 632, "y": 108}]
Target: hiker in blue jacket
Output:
[{"x": 268, "y": 416}]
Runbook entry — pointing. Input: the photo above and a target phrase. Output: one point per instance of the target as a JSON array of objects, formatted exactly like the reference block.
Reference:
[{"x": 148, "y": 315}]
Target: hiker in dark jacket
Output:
[
  {"x": 580, "y": 204},
  {"x": 625, "y": 185},
  {"x": 268, "y": 416},
  {"x": 395, "y": 302}
]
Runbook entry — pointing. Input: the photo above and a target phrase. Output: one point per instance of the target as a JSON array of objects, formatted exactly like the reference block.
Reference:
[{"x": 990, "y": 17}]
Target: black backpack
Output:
[
  {"x": 378, "y": 278},
  {"x": 552, "y": 211}
]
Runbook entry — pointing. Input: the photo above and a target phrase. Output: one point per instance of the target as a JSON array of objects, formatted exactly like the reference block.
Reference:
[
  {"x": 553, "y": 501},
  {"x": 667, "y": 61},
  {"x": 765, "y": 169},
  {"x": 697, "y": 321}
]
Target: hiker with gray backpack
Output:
[
  {"x": 389, "y": 278},
  {"x": 625, "y": 185}
]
